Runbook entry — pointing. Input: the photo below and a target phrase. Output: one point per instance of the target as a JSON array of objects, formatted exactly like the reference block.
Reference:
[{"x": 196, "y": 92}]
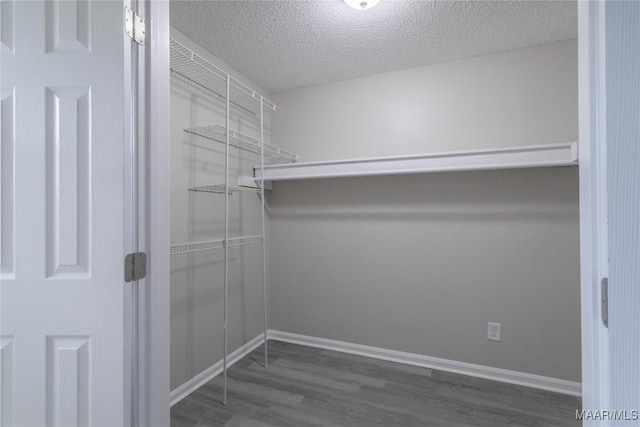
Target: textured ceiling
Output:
[{"x": 287, "y": 44}]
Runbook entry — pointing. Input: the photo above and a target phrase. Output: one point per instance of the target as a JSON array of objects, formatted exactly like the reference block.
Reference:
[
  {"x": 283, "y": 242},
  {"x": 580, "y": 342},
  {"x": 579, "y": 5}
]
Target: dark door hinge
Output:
[
  {"x": 135, "y": 266},
  {"x": 604, "y": 301}
]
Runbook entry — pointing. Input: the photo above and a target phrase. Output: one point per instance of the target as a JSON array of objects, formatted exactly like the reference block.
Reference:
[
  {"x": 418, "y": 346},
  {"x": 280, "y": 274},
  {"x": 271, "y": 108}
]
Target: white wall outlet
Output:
[{"x": 494, "y": 331}]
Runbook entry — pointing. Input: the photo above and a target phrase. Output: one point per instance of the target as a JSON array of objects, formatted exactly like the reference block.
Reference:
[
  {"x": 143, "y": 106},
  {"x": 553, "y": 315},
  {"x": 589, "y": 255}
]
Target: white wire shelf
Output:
[
  {"x": 191, "y": 247},
  {"x": 208, "y": 245},
  {"x": 197, "y": 71},
  {"x": 565, "y": 154},
  {"x": 220, "y": 188},
  {"x": 246, "y": 240},
  {"x": 241, "y": 141}
]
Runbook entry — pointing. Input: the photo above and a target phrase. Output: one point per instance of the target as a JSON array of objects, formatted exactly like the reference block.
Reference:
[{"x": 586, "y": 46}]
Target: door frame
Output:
[
  {"x": 593, "y": 218},
  {"x": 593, "y": 203},
  {"x": 154, "y": 213}
]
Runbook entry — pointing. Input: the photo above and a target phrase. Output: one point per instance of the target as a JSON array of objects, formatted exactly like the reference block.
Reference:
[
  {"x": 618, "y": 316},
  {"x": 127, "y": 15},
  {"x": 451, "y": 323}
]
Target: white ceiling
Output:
[{"x": 287, "y": 44}]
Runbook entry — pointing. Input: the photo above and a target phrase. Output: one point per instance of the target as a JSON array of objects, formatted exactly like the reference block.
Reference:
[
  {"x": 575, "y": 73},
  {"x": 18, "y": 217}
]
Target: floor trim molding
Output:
[
  {"x": 213, "y": 371},
  {"x": 480, "y": 371}
]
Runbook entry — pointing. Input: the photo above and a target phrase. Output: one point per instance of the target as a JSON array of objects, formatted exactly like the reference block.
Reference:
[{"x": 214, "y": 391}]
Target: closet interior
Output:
[{"x": 391, "y": 216}]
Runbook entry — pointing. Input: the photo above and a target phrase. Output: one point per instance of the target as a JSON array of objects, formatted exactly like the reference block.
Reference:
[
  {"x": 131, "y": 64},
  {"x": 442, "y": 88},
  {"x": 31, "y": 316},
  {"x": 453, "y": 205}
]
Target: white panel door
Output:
[{"x": 63, "y": 139}]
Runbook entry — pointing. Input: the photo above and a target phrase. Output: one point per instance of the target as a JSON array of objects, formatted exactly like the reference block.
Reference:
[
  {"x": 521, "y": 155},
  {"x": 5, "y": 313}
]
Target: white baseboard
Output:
[
  {"x": 480, "y": 371},
  {"x": 213, "y": 371}
]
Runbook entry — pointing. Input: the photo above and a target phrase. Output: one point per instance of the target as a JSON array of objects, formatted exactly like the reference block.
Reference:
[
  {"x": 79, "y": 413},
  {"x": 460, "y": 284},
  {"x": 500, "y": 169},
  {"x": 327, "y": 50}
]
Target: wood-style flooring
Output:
[{"x": 306, "y": 386}]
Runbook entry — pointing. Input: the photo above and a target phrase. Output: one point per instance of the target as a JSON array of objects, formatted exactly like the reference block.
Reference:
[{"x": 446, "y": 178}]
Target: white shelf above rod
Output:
[
  {"x": 565, "y": 154},
  {"x": 208, "y": 245}
]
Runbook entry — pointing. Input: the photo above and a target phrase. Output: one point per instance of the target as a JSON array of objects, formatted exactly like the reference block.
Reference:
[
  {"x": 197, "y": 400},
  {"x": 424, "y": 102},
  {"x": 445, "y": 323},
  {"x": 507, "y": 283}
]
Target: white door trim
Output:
[
  {"x": 153, "y": 218},
  {"x": 592, "y": 224},
  {"x": 155, "y": 291},
  {"x": 593, "y": 204}
]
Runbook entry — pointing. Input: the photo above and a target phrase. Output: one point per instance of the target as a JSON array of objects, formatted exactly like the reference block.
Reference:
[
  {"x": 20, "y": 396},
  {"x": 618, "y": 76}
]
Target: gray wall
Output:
[
  {"x": 421, "y": 263},
  {"x": 197, "y": 280},
  {"x": 521, "y": 97}
]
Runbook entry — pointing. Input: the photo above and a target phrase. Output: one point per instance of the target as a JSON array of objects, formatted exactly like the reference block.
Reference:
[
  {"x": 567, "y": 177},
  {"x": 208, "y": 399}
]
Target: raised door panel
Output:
[
  {"x": 7, "y": 188},
  {"x": 7, "y": 25},
  {"x": 68, "y": 112},
  {"x": 6, "y": 380},
  {"x": 68, "y": 25},
  {"x": 69, "y": 366}
]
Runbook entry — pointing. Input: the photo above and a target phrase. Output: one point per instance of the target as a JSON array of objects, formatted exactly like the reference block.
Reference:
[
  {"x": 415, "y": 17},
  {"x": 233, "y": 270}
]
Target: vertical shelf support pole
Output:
[
  {"x": 264, "y": 232},
  {"x": 226, "y": 243}
]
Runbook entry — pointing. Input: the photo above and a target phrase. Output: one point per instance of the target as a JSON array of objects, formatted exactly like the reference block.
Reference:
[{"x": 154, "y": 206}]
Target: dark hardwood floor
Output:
[{"x": 306, "y": 386}]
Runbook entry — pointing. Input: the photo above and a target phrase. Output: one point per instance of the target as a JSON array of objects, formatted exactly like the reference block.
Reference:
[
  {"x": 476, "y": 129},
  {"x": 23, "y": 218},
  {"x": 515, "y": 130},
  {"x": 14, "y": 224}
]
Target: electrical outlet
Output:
[{"x": 494, "y": 332}]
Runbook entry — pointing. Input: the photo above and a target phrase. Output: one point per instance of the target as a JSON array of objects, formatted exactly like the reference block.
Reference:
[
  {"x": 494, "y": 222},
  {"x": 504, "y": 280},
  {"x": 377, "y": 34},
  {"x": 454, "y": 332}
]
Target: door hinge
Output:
[
  {"x": 604, "y": 301},
  {"x": 134, "y": 26},
  {"x": 135, "y": 266}
]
